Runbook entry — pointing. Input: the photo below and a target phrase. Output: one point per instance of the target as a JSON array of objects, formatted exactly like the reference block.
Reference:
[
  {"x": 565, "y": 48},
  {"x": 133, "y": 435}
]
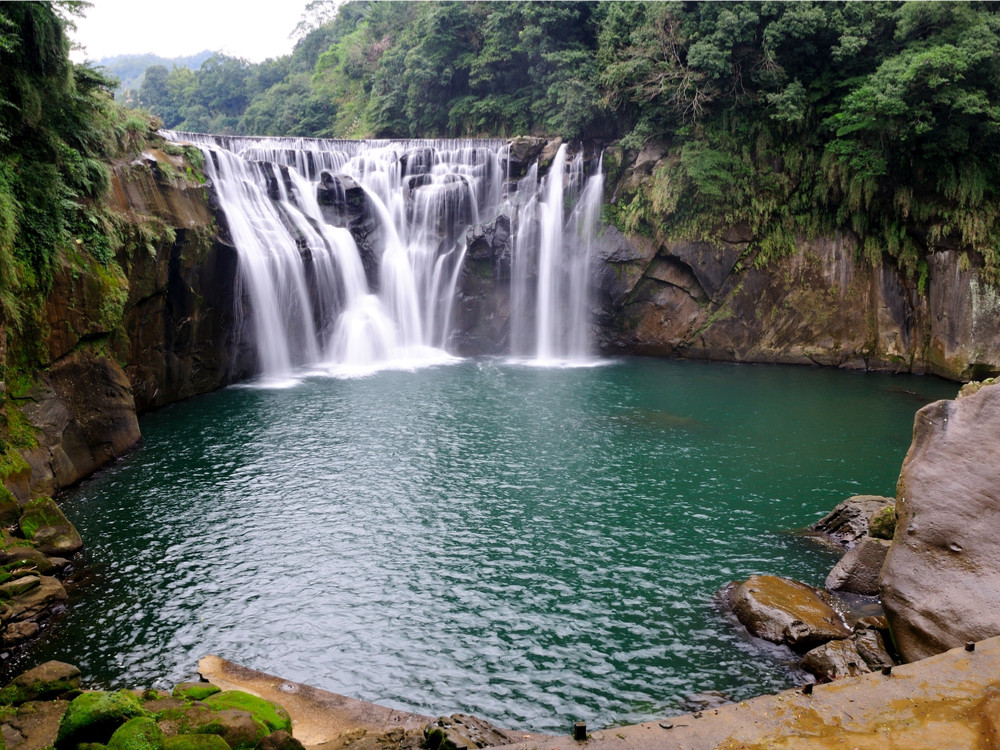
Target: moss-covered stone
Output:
[
  {"x": 141, "y": 733},
  {"x": 195, "y": 742},
  {"x": 240, "y": 729},
  {"x": 10, "y": 509},
  {"x": 188, "y": 719},
  {"x": 274, "y": 717},
  {"x": 882, "y": 524},
  {"x": 46, "y": 681},
  {"x": 195, "y": 691},
  {"x": 94, "y": 717},
  {"x": 23, "y": 557},
  {"x": 43, "y": 522}
]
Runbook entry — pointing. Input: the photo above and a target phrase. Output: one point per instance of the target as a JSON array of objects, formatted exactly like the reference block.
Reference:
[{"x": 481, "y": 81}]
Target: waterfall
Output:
[{"x": 366, "y": 278}]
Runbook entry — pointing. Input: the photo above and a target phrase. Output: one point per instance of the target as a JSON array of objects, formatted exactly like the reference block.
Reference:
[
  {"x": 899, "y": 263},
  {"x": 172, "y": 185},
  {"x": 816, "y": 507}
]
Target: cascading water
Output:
[{"x": 314, "y": 299}]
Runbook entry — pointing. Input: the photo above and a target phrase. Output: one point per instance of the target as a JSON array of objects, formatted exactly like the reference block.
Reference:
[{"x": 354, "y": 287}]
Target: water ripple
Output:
[{"x": 534, "y": 546}]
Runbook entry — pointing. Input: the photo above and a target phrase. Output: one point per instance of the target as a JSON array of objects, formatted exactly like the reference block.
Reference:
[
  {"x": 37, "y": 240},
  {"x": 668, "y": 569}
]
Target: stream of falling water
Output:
[{"x": 312, "y": 301}]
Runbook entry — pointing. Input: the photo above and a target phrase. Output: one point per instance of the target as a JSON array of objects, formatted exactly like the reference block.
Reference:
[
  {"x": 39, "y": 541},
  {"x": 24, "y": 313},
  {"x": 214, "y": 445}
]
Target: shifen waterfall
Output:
[{"x": 351, "y": 252}]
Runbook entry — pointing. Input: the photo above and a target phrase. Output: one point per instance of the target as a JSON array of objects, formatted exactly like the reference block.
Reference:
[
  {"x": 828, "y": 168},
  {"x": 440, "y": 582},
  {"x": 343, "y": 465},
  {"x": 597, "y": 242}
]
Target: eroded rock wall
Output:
[
  {"x": 819, "y": 305},
  {"x": 119, "y": 341}
]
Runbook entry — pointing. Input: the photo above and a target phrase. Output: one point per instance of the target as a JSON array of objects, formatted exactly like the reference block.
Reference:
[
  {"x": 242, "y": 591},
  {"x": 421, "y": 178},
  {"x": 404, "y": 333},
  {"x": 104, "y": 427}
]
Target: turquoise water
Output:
[{"x": 535, "y": 546}]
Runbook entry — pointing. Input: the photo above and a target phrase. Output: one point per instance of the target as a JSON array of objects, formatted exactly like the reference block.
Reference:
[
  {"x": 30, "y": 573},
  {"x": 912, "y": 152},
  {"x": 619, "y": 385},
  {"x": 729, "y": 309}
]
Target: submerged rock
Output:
[
  {"x": 940, "y": 583},
  {"x": 849, "y": 521},
  {"x": 781, "y": 610}
]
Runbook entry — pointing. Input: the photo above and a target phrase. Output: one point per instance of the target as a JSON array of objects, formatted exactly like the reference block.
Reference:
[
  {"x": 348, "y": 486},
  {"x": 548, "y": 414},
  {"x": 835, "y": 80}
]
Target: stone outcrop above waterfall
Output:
[
  {"x": 818, "y": 305},
  {"x": 940, "y": 583}
]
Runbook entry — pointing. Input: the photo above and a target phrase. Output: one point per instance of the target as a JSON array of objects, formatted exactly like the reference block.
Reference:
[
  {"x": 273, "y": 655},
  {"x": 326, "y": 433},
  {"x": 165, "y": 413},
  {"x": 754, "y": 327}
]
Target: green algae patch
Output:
[
  {"x": 195, "y": 742},
  {"x": 195, "y": 691},
  {"x": 883, "y": 523},
  {"x": 274, "y": 717},
  {"x": 141, "y": 733},
  {"x": 94, "y": 717}
]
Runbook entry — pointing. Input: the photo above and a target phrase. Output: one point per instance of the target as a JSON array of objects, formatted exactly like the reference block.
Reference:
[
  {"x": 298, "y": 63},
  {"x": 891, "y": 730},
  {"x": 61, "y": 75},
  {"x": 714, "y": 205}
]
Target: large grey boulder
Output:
[{"x": 940, "y": 584}]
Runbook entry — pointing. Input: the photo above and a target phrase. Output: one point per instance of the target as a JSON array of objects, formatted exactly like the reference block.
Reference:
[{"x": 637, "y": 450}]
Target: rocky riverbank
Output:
[
  {"x": 234, "y": 709},
  {"x": 939, "y": 576}
]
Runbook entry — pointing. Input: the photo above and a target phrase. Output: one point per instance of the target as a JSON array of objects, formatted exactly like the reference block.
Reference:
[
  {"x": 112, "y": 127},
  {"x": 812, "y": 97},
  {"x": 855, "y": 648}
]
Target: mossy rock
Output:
[
  {"x": 141, "y": 733},
  {"x": 43, "y": 523},
  {"x": 94, "y": 717},
  {"x": 188, "y": 719},
  {"x": 22, "y": 557},
  {"x": 239, "y": 729},
  {"x": 10, "y": 509},
  {"x": 44, "y": 682},
  {"x": 195, "y": 691},
  {"x": 274, "y": 717},
  {"x": 195, "y": 742},
  {"x": 882, "y": 524}
]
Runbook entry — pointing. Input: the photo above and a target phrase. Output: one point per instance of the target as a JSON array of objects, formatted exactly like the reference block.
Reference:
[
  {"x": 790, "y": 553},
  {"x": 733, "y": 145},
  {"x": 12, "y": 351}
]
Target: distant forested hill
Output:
[{"x": 131, "y": 69}]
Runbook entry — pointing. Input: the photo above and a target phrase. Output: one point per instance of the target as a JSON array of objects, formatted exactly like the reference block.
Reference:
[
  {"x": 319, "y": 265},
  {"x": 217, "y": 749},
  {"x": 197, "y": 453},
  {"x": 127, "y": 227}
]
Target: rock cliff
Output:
[
  {"x": 710, "y": 299},
  {"x": 940, "y": 583},
  {"x": 118, "y": 341}
]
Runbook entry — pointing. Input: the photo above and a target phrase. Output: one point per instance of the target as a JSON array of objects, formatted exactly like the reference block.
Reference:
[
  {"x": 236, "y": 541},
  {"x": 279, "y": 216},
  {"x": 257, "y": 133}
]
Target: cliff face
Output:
[
  {"x": 120, "y": 342},
  {"x": 819, "y": 305}
]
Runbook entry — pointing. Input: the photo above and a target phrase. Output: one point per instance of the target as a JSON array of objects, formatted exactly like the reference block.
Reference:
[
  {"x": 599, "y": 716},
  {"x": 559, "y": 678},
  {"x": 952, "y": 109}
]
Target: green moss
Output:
[
  {"x": 41, "y": 511},
  {"x": 882, "y": 524},
  {"x": 195, "y": 742},
  {"x": 141, "y": 733},
  {"x": 273, "y": 717},
  {"x": 94, "y": 717},
  {"x": 195, "y": 691}
]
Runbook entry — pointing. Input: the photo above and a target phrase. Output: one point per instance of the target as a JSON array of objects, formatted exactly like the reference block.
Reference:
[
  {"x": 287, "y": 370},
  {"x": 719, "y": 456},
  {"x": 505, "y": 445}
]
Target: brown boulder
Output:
[
  {"x": 858, "y": 570},
  {"x": 781, "y": 610},
  {"x": 940, "y": 584}
]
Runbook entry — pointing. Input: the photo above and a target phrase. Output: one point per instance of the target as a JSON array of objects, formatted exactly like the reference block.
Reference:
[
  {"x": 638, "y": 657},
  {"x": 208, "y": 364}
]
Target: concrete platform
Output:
[{"x": 946, "y": 702}]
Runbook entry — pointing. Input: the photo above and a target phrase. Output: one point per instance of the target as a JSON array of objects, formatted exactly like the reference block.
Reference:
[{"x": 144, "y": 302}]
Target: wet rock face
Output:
[
  {"x": 781, "y": 610},
  {"x": 816, "y": 305},
  {"x": 482, "y": 310},
  {"x": 940, "y": 584},
  {"x": 84, "y": 409}
]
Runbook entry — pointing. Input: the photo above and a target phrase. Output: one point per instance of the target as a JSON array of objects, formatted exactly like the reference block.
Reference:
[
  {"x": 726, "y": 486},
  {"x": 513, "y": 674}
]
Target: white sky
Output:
[{"x": 252, "y": 29}]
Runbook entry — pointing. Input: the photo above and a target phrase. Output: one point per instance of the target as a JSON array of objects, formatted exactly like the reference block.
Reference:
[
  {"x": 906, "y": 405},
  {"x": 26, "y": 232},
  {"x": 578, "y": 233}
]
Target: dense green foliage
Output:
[
  {"x": 792, "y": 117},
  {"x": 59, "y": 128}
]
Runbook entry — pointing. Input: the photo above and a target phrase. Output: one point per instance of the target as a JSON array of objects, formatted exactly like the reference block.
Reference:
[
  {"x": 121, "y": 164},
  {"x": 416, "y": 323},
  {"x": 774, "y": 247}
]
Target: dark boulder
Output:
[
  {"x": 849, "y": 521},
  {"x": 858, "y": 570}
]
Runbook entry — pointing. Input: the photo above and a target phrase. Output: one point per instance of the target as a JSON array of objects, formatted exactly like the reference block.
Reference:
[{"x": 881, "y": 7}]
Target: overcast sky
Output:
[{"x": 252, "y": 29}]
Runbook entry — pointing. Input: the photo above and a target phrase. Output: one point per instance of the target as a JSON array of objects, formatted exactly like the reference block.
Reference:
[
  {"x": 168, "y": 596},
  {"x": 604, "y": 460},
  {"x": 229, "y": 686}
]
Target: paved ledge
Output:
[{"x": 951, "y": 700}]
